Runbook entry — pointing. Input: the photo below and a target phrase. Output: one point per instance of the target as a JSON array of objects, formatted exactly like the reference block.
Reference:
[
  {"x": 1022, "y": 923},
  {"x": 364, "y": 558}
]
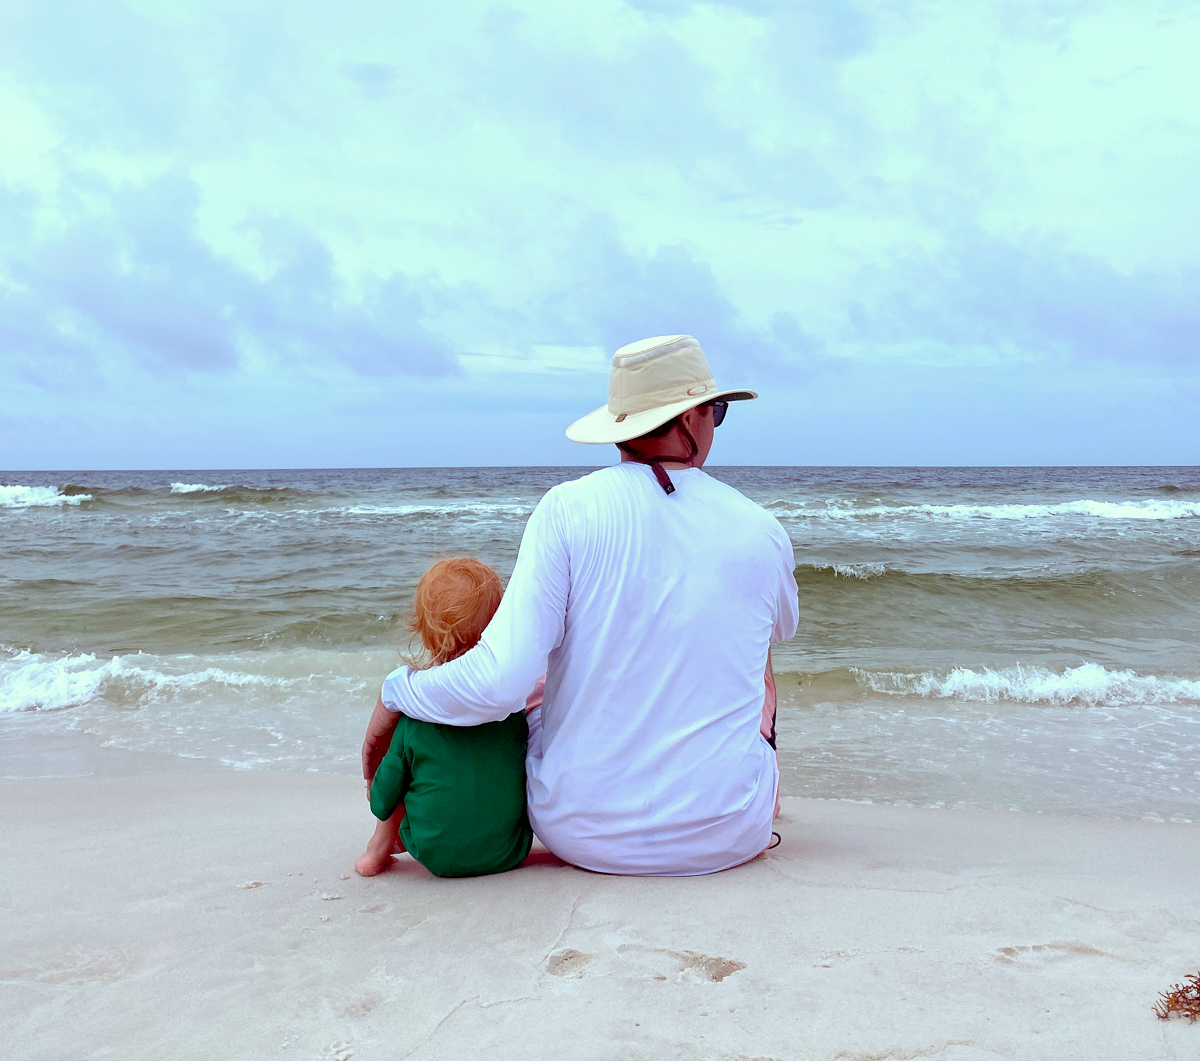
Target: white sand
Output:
[{"x": 131, "y": 930}]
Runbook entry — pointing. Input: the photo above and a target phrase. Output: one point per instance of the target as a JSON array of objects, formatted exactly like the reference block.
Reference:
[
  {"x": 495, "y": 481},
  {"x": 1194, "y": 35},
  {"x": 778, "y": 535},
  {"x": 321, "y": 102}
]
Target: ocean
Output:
[{"x": 1017, "y": 638}]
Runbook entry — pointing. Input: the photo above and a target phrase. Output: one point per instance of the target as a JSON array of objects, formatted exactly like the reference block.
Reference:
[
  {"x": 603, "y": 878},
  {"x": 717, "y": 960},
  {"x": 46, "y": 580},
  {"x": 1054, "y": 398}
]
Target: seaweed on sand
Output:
[{"x": 1183, "y": 999}]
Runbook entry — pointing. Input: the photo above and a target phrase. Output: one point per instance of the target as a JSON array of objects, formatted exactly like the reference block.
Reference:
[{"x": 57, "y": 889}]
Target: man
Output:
[{"x": 649, "y": 594}]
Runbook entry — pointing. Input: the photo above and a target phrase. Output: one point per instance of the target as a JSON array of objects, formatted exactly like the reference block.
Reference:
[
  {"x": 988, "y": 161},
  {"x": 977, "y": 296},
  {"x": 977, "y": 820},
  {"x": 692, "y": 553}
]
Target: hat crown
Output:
[{"x": 656, "y": 372}]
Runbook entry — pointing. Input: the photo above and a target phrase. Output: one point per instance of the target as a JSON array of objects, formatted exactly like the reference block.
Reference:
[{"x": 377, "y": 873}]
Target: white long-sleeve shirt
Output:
[{"x": 651, "y": 616}]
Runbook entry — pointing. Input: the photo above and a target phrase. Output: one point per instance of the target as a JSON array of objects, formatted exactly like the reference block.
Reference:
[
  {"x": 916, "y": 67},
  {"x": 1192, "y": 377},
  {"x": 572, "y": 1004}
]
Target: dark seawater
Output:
[{"x": 1004, "y": 637}]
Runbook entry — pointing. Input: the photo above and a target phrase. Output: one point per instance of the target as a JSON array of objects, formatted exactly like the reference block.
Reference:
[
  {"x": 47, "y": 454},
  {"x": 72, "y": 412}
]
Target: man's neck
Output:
[{"x": 671, "y": 466}]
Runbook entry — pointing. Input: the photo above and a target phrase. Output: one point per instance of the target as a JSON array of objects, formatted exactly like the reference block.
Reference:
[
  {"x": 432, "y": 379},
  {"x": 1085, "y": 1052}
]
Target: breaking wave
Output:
[
  {"x": 196, "y": 488},
  {"x": 1096, "y": 592},
  {"x": 220, "y": 493},
  {"x": 194, "y": 497},
  {"x": 860, "y": 571},
  {"x": 30, "y": 681},
  {"x": 480, "y": 509},
  {"x": 39, "y": 496},
  {"x": 1155, "y": 509},
  {"x": 1089, "y": 684}
]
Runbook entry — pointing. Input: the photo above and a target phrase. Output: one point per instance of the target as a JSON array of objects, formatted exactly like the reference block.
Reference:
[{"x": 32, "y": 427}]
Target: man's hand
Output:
[
  {"x": 378, "y": 739},
  {"x": 535, "y": 698},
  {"x": 770, "y": 707},
  {"x": 767, "y": 725}
]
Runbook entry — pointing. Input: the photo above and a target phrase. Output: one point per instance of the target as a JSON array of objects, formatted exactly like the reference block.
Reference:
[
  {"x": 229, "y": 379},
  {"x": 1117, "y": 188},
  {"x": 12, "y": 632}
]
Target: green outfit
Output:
[{"x": 463, "y": 790}]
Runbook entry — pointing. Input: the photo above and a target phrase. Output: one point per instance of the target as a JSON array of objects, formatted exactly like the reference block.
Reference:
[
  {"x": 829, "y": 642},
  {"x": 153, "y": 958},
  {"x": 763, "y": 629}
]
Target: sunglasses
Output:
[{"x": 719, "y": 407}]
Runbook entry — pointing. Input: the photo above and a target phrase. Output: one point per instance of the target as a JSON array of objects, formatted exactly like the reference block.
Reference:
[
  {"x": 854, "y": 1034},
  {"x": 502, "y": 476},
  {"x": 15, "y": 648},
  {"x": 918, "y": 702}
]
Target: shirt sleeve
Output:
[
  {"x": 787, "y": 605},
  {"x": 492, "y": 680}
]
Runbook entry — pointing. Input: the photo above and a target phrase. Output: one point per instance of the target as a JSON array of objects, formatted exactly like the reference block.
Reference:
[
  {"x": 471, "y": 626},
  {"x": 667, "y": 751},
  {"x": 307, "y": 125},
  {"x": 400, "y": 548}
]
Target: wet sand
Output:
[{"x": 204, "y": 915}]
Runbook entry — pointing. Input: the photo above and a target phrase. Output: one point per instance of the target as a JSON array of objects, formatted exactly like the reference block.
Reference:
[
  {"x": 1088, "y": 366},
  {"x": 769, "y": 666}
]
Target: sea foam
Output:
[
  {"x": 1088, "y": 684},
  {"x": 30, "y": 681},
  {"x": 1156, "y": 509},
  {"x": 37, "y": 497},
  {"x": 462, "y": 508},
  {"x": 195, "y": 488},
  {"x": 860, "y": 571}
]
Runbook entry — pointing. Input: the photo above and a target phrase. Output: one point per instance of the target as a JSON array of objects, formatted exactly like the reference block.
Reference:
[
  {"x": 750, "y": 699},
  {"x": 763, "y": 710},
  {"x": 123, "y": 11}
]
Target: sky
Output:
[{"x": 244, "y": 234}]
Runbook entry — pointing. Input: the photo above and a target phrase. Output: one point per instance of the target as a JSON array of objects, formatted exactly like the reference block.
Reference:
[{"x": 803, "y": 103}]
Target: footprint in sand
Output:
[
  {"x": 376, "y": 908},
  {"x": 745, "y": 1057},
  {"x": 352, "y": 1008},
  {"x": 834, "y": 957},
  {"x": 1040, "y": 953},
  {"x": 568, "y": 963},
  {"x": 690, "y": 963},
  {"x": 76, "y": 968},
  {"x": 714, "y": 970}
]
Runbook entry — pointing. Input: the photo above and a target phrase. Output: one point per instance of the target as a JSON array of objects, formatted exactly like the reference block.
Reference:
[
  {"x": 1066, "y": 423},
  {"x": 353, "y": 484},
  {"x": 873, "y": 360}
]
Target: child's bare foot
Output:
[
  {"x": 384, "y": 843},
  {"x": 377, "y": 858}
]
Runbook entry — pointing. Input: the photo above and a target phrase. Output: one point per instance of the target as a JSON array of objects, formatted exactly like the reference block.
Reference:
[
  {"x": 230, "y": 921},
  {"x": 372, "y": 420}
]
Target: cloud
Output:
[
  {"x": 829, "y": 26},
  {"x": 612, "y": 296},
  {"x": 1034, "y": 298},
  {"x": 450, "y": 205},
  {"x": 652, "y": 110},
  {"x": 111, "y": 75},
  {"x": 128, "y": 275},
  {"x": 375, "y": 79}
]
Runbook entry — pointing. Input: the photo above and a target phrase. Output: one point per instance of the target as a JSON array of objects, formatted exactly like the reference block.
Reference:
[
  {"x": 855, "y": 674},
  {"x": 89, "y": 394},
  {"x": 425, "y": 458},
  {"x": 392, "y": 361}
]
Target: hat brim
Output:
[{"x": 601, "y": 426}]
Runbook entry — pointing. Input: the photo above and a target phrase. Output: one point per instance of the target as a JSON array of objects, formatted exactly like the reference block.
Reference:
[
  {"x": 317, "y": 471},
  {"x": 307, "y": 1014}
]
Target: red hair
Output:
[{"x": 456, "y": 599}]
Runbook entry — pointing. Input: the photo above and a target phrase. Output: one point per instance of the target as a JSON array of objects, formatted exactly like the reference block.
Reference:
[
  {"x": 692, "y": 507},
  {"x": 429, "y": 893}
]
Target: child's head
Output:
[{"x": 455, "y": 601}]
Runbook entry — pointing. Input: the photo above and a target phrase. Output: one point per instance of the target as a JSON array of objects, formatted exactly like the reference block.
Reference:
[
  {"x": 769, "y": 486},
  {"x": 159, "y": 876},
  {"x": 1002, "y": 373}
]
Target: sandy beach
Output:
[{"x": 195, "y": 914}]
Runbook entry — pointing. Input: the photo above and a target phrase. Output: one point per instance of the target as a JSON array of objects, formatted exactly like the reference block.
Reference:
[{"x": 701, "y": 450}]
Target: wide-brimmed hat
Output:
[{"x": 652, "y": 381}]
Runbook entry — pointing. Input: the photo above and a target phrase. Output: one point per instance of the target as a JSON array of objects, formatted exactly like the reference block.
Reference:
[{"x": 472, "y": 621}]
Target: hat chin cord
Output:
[{"x": 664, "y": 480}]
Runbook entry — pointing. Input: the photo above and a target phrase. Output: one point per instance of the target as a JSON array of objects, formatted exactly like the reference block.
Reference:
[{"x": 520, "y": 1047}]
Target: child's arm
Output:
[
  {"x": 379, "y": 738},
  {"x": 486, "y": 683}
]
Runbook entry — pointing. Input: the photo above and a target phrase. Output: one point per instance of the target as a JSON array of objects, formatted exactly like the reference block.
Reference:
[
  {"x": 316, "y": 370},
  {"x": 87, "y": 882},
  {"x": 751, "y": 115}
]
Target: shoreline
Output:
[
  {"x": 28, "y": 754},
  {"x": 197, "y": 914}
]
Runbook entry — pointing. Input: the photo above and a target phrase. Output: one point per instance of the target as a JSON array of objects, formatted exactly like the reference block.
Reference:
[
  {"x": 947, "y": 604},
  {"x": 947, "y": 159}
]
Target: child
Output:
[{"x": 452, "y": 796}]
